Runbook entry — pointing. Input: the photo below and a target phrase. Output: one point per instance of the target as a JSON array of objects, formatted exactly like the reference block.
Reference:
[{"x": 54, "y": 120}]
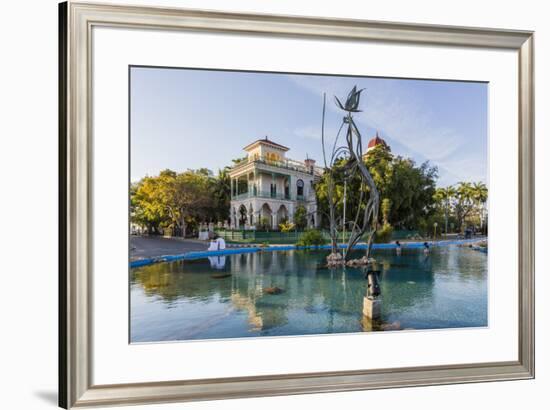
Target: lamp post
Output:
[{"x": 435, "y": 229}]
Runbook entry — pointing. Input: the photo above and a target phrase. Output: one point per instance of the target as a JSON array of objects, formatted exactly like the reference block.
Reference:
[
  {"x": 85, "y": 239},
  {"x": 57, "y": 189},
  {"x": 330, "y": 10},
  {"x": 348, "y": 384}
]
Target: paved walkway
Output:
[{"x": 152, "y": 247}]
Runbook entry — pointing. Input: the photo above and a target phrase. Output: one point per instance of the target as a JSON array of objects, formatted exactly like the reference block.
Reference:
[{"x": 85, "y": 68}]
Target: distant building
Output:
[
  {"x": 375, "y": 142},
  {"x": 266, "y": 186}
]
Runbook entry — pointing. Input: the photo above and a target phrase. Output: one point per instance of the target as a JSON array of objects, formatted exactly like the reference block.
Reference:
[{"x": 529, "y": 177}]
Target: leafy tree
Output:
[
  {"x": 185, "y": 197},
  {"x": 176, "y": 200},
  {"x": 379, "y": 162},
  {"x": 145, "y": 209},
  {"x": 408, "y": 189},
  {"x": 386, "y": 208}
]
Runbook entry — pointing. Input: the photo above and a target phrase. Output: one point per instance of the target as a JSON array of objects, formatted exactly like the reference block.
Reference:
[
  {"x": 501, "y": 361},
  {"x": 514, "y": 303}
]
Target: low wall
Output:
[
  {"x": 206, "y": 254},
  {"x": 252, "y": 236}
]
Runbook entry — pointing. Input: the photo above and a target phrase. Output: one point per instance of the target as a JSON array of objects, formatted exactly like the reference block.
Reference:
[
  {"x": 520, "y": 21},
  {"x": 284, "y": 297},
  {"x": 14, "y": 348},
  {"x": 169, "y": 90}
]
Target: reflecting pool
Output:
[{"x": 237, "y": 296}]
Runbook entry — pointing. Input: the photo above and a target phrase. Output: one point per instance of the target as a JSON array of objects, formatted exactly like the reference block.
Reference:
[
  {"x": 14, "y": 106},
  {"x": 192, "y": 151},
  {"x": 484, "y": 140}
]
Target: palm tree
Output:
[
  {"x": 479, "y": 192},
  {"x": 465, "y": 202},
  {"x": 221, "y": 194},
  {"x": 445, "y": 196},
  {"x": 479, "y": 196}
]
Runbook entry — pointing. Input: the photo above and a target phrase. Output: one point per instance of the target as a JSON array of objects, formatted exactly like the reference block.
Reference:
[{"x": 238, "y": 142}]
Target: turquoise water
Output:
[{"x": 226, "y": 297}]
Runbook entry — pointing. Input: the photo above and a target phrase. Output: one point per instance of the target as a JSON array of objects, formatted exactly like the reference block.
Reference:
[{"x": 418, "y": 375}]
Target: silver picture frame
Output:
[{"x": 76, "y": 21}]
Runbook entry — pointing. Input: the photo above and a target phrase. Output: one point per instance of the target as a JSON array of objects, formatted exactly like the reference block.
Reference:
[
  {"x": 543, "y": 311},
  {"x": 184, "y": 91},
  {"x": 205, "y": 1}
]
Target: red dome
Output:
[{"x": 376, "y": 141}]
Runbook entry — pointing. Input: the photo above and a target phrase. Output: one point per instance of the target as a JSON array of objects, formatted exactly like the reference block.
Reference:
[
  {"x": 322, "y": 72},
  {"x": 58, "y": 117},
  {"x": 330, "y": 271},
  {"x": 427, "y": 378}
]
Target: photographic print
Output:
[{"x": 287, "y": 204}]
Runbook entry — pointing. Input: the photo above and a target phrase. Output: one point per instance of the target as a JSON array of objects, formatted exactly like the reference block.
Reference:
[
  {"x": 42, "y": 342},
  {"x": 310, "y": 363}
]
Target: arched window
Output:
[{"x": 300, "y": 187}]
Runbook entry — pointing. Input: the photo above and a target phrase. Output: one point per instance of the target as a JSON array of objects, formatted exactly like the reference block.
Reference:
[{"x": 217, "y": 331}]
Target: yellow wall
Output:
[
  {"x": 272, "y": 156},
  {"x": 265, "y": 152}
]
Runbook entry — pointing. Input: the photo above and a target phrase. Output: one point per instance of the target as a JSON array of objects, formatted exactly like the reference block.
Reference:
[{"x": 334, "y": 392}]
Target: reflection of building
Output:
[
  {"x": 244, "y": 302},
  {"x": 267, "y": 187},
  {"x": 375, "y": 142},
  {"x": 217, "y": 262}
]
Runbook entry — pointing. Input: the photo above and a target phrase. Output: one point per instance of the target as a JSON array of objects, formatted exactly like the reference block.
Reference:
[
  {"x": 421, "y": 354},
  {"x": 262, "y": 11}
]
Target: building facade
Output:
[{"x": 267, "y": 187}]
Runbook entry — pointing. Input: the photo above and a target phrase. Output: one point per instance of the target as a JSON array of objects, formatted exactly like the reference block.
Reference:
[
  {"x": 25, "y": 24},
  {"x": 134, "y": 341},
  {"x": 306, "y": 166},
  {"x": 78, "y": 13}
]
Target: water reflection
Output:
[
  {"x": 217, "y": 262},
  {"x": 293, "y": 293}
]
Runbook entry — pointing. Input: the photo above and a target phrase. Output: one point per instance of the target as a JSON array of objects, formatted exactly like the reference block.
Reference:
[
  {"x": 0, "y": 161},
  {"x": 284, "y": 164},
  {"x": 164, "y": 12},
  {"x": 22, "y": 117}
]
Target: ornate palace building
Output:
[{"x": 267, "y": 187}]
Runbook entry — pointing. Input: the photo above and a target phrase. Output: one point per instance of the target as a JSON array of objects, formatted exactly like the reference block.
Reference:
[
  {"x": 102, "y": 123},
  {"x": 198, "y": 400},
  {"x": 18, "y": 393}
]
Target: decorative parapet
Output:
[
  {"x": 287, "y": 163},
  {"x": 262, "y": 194},
  {"x": 269, "y": 195}
]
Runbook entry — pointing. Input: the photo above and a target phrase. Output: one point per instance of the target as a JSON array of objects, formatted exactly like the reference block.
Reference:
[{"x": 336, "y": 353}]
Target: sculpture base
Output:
[{"x": 372, "y": 308}]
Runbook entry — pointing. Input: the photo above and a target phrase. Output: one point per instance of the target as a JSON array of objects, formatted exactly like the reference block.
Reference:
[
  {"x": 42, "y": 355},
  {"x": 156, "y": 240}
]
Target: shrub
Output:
[
  {"x": 384, "y": 235},
  {"x": 286, "y": 226},
  {"x": 311, "y": 237}
]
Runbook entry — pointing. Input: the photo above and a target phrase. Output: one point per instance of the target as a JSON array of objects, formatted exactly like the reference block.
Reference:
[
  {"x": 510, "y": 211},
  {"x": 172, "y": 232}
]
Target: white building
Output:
[{"x": 268, "y": 187}]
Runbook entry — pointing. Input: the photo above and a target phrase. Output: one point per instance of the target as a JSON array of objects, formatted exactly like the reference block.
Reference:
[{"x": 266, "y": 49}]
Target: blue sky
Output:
[{"x": 186, "y": 119}]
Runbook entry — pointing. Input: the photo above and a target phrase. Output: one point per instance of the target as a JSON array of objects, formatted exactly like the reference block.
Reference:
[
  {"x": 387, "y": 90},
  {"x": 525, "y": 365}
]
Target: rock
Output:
[
  {"x": 335, "y": 257},
  {"x": 273, "y": 290},
  {"x": 391, "y": 326},
  {"x": 335, "y": 260},
  {"x": 360, "y": 262},
  {"x": 220, "y": 275}
]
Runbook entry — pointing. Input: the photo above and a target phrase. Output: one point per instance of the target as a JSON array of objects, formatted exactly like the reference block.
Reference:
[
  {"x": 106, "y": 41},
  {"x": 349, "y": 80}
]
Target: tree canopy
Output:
[
  {"x": 406, "y": 189},
  {"x": 462, "y": 205},
  {"x": 179, "y": 200},
  {"x": 408, "y": 193}
]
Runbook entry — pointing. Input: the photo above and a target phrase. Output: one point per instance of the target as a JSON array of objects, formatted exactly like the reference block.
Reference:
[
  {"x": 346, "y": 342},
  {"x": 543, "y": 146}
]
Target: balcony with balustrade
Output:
[
  {"x": 268, "y": 195},
  {"x": 264, "y": 163}
]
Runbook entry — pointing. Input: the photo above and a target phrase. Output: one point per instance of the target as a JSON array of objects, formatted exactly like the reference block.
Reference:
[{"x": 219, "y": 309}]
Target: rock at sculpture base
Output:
[
  {"x": 360, "y": 262},
  {"x": 335, "y": 259},
  {"x": 220, "y": 275},
  {"x": 273, "y": 290}
]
